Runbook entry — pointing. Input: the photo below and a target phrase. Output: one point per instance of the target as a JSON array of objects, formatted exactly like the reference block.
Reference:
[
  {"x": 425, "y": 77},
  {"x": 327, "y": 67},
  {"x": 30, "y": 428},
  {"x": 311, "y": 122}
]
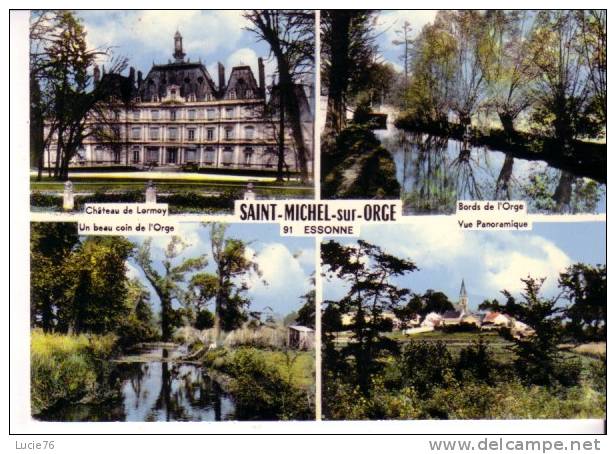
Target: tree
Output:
[
  {"x": 538, "y": 360},
  {"x": 585, "y": 286},
  {"x": 563, "y": 92},
  {"x": 167, "y": 283},
  {"x": 435, "y": 302},
  {"x": 51, "y": 249},
  {"x": 433, "y": 68},
  {"x": 99, "y": 289},
  {"x": 593, "y": 46},
  {"x": 139, "y": 324},
  {"x": 63, "y": 99},
  {"x": 348, "y": 51},
  {"x": 510, "y": 72},
  {"x": 368, "y": 271},
  {"x": 404, "y": 40},
  {"x": 468, "y": 30},
  {"x": 307, "y": 313},
  {"x": 290, "y": 35},
  {"x": 232, "y": 266}
]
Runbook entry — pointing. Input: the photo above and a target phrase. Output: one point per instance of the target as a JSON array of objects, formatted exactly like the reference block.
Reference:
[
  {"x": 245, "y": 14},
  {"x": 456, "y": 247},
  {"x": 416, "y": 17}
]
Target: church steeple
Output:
[
  {"x": 179, "y": 52},
  {"x": 463, "y": 300}
]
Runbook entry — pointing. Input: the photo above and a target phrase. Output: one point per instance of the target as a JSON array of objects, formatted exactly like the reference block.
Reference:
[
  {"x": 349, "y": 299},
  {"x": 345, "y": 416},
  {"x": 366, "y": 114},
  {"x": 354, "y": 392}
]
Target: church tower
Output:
[
  {"x": 463, "y": 300},
  {"x": 179, "y": 52}
]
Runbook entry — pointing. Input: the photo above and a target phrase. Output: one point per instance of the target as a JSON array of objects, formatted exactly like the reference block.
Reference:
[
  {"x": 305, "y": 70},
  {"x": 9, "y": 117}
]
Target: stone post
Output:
[
  {"x": 68, "y": 198},
  {"x": 150, "y": 192},
  {"x": 250, "y": 194}
]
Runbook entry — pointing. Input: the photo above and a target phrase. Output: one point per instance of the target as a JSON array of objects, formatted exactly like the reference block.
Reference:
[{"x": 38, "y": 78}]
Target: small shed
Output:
[{"x": 300, "y": 337}]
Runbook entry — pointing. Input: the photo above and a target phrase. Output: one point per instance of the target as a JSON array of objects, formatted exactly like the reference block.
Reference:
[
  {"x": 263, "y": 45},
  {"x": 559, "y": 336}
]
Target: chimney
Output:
[
  {"x": 261, "y": 77},
  {"x": 97, "y": 75},
  {"x": 131, "y": 76},
  {"x": 221, "y": 77},
  {"x": 139, "y": 79}
]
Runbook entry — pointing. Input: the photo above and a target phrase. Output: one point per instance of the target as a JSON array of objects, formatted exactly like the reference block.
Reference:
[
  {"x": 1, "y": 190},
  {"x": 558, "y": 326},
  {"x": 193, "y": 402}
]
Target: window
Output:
[
  {"x": 173, "y": 93},
  {"x": 136, "y": 133},
  {"x": 135, "y": 154},
  {"x": 248, "y": 157},
  {"x": 172, "y": 155},
  {"x": 173, "y": 115},
  {"x": 191, "y": 134},
  {"x": 209, "y": 155},
  {"x": 211, "y": 114},
  {"x": 249, "y": 132},
  {"x": 154, "y": 114},
  {"x": 173, "y": 133},
  {"x": 116, "y": 114},
  {"x": 191, "y": 155},
  {"x": 210, "y": 134},
  {"x": 227, "y": 156},
  {"x": 136, "y": 115},
  {"x": 154, "y": 134},
  {"x": 228, "y": 133},
  {"x": 269, "y": 133},
  {"x": 249, "y": 93},
  {"x": 229, "y": 112},
  {"x": 268, "y": 157},
  {"x": 152, "y": 154},
  {"x": 98, "y": 152},
  {"x": 192, "y": 114}
]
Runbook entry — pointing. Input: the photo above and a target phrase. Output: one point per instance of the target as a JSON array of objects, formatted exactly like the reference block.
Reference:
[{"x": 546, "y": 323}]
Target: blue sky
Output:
[
  {"x": 389, "y": 21},
  {"x": 488, "y": 261},
  {"x": 286, "y": 263},
  {"x": 147, "y": 36}
]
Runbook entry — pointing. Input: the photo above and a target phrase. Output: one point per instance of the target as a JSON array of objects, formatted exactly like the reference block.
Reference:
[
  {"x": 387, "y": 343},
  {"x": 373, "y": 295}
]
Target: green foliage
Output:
[
  {"x": 139, "y": 324},
  {"x": 168, "y": 283},
  {"x": 64, "y": 367},
  {"x": 475, "y": 361},
  {"x": 261, "y": 392},
  {"x": 425, "y": 365},
  {"x": 585, "y": 287},
  {"x": 368, "y": 270},
  {"x": 99, "y": 286},
  {"x": 355, "y": 165}
]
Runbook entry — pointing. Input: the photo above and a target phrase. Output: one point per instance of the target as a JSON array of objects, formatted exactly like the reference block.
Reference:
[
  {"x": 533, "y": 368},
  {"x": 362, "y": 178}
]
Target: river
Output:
[
  {"x": 434, "y": 172},
  {"x": 151, "y": 386}
]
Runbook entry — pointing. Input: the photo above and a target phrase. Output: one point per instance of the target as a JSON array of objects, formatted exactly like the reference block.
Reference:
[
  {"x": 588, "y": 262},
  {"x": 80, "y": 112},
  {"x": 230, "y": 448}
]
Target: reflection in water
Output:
[
  {"x": 153, "y": 391},
  {"x": 434, "y": 172}
]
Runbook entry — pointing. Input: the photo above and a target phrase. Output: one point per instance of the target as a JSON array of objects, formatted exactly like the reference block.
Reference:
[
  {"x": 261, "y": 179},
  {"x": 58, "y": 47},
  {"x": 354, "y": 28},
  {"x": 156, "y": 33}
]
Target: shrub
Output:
[
  {"x": 475, "y": 361},
  {"x": 426, "y": 365},
  {"x": 261, "y": 393}
]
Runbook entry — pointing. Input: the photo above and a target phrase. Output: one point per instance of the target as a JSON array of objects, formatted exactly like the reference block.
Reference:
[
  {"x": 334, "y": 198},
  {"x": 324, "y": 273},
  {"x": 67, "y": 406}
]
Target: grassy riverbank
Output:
[
  {"x": 67, "y": 367},
  {"x": 267, "y": 384}
]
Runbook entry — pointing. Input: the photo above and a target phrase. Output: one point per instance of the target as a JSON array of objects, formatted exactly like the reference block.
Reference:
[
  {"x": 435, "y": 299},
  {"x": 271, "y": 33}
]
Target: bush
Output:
[
  {"x": 476, "y": 361},
  {"x": 426, "y": 365},
  {"x": 261, "y": 393},
  {"x": 65, "y": 368}
]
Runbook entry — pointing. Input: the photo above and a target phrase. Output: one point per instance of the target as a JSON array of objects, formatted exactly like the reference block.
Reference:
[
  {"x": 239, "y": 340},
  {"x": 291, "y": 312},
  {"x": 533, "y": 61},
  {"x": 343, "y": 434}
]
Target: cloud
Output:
[
  {"x": 151, "y": 32},
  {"x": 490, "y": 261},
  {"x": 285, "y": 277},
  {"x": 390, "y": 21}
]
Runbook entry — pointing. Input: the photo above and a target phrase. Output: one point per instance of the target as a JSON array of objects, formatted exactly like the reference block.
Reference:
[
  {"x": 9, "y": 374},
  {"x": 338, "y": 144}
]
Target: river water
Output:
[
  {"x": 435, "y": 172},
  {"x": 151, "y": 387}
]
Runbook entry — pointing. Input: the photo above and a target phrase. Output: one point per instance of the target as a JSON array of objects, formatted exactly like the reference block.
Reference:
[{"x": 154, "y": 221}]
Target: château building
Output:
[{"x": 179, "y": 117}]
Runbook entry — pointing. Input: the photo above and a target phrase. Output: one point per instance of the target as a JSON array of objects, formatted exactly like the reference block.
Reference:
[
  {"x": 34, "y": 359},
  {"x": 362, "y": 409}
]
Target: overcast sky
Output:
[
  {"x": 286, "y": 263},
  {"x": 147, "y": 36},
  {"x": 487, "y": 261}
]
